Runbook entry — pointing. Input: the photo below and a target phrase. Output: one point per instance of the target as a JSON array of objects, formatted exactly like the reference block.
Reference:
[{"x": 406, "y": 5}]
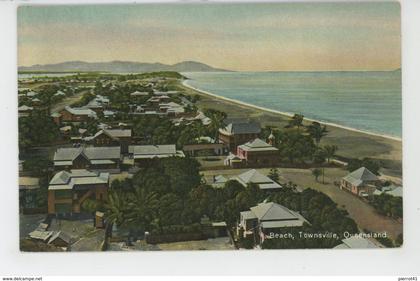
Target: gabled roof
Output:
[
  {"x": 242, "y": 128},
  {"x": 396, "y": 191},
  {"x": 40, "y": 235},
  {"x": 253, "y": 176},
  {"x": 152, "y": 150},
  {"x": 137, "y": 93},
  {"x": 25, "y": 108},
  {"x": 359, "y": 176},
  {"x": 64, "y": 180},
  {"x": 31, "y": 94},
  {"x": 59, "y": 93},
  {"x": 219, "y": 180},
  {"x": 257, "y": 145},
  {"x": 70, "y": 153},
  {"x": 356, "y": 242},
  {"x": 60, "y": 235},
  {"x": 114, "y": 133},
  {"x": 273, "y": 211},
  {"x": 26, "y": 183},
  {"x": 81, "y": 111},
  {"x": 273, "y": 215}
]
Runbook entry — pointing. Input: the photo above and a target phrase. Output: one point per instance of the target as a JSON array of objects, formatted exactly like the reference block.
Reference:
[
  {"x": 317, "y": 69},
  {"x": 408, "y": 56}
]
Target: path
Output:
[
  {"x": 67, "y": 101},
  {"x": 364, "y": 214}
]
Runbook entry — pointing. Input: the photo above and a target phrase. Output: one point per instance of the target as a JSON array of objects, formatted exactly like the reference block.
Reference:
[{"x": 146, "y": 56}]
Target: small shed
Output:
[{"x": 99, "y": 219}]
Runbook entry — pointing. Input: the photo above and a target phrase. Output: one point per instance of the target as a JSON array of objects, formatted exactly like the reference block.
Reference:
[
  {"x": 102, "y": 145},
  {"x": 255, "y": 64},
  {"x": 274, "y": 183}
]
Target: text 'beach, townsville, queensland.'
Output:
[{"x": 366, "y": 100}]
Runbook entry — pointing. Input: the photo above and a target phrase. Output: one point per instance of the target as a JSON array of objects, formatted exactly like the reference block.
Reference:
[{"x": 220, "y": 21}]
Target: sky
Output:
[{"x": 241, "y": 37}]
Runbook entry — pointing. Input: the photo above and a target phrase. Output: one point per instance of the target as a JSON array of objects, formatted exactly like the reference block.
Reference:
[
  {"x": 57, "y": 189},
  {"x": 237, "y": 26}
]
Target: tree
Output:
[
  {"x": 143, "y": 207},
  {"x": 296, "y": 146},
  {"x": 170, "y": 208},
  {"x": 319, "y": 156},
  {"x": 38, "y": 166},
  {"x": 316, "y": 173},
  {"x": 369, "y": 164},
  {"x": 316, "y": 131},
  {"x": 217, "y": 121},
  {"x": 37, "y": 129},
  {"x": 116, "y": 208},
  {"x": 183, "y": 174},
  {"x": 296, "y": 121},
  {"x": 90, "y": 206},
  {"x": 330, "y": 151}
]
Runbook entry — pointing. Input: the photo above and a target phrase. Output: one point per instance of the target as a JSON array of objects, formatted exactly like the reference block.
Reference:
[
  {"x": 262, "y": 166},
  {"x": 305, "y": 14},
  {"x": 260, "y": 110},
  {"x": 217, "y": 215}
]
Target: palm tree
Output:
[
  {"x": 316, "y": 131},
  {"x": 116, "y": 208},
  {"x": 330, "y": 151},
  {"x": 217, "y": 121},
  {"x": 142, "y": 208},
  {"x": 296, "y": 121}
]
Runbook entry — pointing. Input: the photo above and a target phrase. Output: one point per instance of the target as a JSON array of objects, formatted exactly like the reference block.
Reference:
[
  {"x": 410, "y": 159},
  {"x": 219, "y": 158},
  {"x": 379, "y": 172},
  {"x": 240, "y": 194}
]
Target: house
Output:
[
  {"x": 139, "y": 94},
  {"x": 255, "y": 177},
  {"x": 393, "y": 190},
  {"x": 360, "y": 182},
  {"x": 98, "y": 103},
  {"x": 111, "y": 137},
  {"x": 59, "y": 94},
  {"x": 171, "y": 108},
  {"x": 109, "y": 113},
  {"x": 56, "y": 118},
  {"x": 356, "y": 242},
  {"x": 203, "y": 118},
  {"x": 266, "y": 219},
  {"x": 31, "y": 94},
  {"x": 142, "y": 154},
  {"x": 28, "y": 188},
  {"x": 24, "y": 110},
  {"x": 96, "y": 158},
  {"x": 69, "y": 114},
  {"x": 256, "y": 153},
  {"x": 68, "y": 190},
  {"x": 94, "y": 105},
  {"x": 155, "y": 100},
  {"x": 235, "y": 134},
  {"x": 42, "y": 235},
  {"x": 35, "y": 101}
]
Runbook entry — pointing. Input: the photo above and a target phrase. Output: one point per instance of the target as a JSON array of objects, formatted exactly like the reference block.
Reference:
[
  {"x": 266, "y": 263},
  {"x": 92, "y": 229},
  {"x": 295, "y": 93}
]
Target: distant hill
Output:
[{"x": 120, "y": 67}]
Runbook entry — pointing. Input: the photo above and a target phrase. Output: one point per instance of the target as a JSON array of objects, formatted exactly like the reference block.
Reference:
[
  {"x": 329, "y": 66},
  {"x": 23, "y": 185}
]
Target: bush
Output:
[{"x": 246, "y": 243}]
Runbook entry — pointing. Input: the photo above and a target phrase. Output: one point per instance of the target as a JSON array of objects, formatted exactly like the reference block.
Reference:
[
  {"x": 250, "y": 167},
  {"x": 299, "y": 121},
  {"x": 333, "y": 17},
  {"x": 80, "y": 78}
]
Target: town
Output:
[{"x": 120, "y": 162}]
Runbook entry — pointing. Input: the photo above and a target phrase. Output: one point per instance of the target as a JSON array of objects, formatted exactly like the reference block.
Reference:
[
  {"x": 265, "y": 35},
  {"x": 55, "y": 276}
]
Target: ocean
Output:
[{"x": 363, "y": 100}]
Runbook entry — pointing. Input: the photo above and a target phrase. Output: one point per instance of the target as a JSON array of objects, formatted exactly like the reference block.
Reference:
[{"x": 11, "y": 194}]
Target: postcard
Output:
[{"x": 210, "y": 126}]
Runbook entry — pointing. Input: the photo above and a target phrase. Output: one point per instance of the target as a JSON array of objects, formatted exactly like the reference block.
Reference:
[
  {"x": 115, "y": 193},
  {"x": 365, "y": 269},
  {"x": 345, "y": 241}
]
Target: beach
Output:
[{"x": 352, "y": 143}]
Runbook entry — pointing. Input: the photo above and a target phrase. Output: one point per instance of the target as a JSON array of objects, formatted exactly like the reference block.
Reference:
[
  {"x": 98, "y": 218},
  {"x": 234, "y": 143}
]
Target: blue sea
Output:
[{"x": 368, "y": 101}]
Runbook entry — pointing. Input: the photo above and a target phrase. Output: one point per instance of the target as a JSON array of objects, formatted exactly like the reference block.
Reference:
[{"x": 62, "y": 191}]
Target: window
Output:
[{"x": 62, "y": 194}]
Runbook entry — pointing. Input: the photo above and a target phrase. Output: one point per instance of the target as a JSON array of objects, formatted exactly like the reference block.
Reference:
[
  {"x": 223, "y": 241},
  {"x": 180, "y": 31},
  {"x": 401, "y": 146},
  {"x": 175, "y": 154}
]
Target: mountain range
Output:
[{"x": 120, "y": 67}]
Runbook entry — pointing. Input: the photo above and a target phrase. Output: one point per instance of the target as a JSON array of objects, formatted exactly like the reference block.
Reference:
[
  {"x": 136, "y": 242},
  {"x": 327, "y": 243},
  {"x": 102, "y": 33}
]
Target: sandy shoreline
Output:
[{"x": 184, "y": 83}]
